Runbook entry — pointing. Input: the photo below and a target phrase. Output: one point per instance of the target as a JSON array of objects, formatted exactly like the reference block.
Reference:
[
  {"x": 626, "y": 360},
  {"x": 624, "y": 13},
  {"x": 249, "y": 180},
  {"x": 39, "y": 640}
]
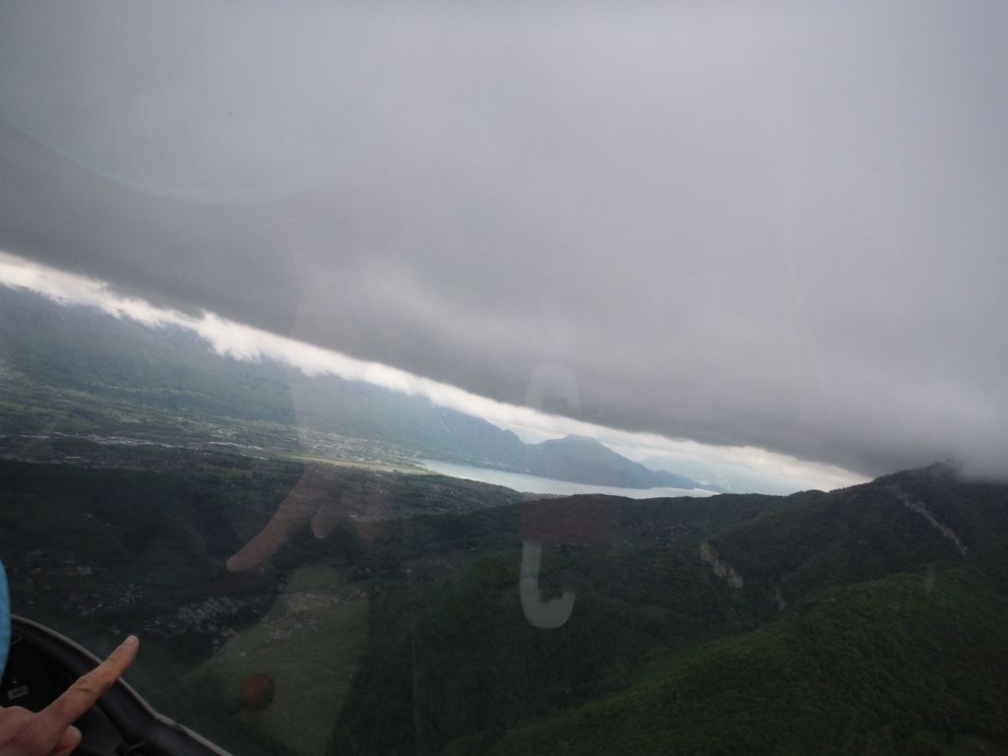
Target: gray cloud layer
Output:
[{"x": 778, "y": 225}]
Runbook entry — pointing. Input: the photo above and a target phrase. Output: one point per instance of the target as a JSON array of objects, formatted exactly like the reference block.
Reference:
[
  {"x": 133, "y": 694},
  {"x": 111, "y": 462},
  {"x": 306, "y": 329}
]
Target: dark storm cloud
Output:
[{"x": 779, "y": 226}]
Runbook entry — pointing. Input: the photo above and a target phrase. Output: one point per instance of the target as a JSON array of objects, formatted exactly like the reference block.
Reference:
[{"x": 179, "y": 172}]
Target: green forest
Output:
[{"x": 867, "y": 620}]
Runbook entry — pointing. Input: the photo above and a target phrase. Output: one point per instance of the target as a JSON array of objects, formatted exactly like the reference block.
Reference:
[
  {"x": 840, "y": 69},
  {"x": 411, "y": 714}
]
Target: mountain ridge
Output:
[
  {"x": 588, "y": 460},
  {"x": 167, "y": 378}
]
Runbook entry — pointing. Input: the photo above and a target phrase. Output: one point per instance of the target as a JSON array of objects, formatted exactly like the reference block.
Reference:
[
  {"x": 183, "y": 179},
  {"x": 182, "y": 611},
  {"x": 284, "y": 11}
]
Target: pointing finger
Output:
[{"x": 83, "y": 694}]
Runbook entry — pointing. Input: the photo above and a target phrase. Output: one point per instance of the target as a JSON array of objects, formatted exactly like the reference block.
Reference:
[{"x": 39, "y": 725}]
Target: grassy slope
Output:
[{"x": 309, "y": 645}]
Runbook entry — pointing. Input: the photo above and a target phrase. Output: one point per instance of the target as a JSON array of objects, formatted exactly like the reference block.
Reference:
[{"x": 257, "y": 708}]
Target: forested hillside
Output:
[
  {"x": 864, "y": 620},
  {"x": 390, "y": 614}
]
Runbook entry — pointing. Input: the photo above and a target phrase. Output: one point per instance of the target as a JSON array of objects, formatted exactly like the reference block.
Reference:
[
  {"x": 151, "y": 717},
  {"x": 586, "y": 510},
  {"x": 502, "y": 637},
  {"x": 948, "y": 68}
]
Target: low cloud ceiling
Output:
[{"x": 778, "y": 225}]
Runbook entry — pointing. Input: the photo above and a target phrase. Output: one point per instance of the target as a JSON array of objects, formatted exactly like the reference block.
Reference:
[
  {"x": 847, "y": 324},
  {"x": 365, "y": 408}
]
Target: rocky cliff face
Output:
[
  {"x": 721, "y": 568},
  {"x": 921, "y": 508}
]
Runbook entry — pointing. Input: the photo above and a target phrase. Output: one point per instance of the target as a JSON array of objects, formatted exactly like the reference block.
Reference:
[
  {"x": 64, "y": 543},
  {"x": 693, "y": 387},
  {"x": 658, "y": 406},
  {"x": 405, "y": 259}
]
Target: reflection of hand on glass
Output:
[
  {"x": 587, "y": 521},
  {"x": 51, "y": 731},
  {"x": 317, "y": 499}
]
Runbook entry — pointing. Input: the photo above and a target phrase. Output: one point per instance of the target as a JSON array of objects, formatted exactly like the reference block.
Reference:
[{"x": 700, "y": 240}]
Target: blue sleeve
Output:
[{"x": 4, "y": 619}]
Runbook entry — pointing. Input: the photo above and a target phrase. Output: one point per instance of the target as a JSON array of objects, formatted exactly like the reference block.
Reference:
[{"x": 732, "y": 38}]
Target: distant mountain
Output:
[
  {"x": 583, "y": 459},
  {"x": 78, "y": 371},
  {"x": 166, "y": 384},
  {"x": 723, "y": 477}
]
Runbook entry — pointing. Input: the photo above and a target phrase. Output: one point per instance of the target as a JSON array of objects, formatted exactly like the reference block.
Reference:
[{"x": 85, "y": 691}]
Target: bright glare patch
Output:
[{"x": 241, "y": 342}]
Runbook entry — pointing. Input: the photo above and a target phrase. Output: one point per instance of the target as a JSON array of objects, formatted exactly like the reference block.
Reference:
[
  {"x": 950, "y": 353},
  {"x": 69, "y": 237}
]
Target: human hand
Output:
[{"x": 50, "y": 732}]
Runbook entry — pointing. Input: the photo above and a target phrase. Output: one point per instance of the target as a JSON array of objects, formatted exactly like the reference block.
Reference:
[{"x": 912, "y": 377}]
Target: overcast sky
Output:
[{"x": 776, "y": 225}]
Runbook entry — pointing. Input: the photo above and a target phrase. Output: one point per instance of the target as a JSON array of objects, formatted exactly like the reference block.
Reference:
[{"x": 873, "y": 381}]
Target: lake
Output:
[{"x": 537, "y": 485}]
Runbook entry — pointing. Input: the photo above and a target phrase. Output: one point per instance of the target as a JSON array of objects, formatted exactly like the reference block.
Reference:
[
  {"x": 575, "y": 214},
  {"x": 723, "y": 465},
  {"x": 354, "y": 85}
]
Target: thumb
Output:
[{"x": 68, "y": 741}]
